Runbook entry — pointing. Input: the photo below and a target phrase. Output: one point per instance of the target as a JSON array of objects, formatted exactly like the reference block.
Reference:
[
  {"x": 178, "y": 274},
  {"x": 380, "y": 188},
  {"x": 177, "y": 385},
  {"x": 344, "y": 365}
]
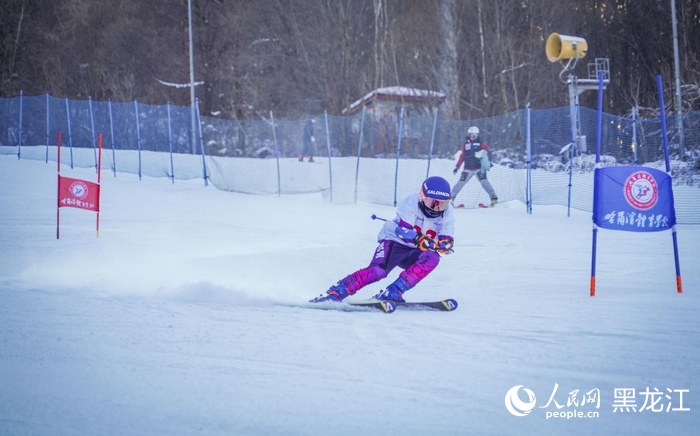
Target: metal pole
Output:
[
  {"x": 677, "y": 66},
  {"x": 277, "y": 155},
  {"x": 70, "y": 134},
  {"x": 528, "y": 146},
  {"x": 328, "y": 144},
  {"x": 170, "y": 145},
  {"x": 192, "y": 98},
  {"x": 432, "y": 142},
  {"x": 573, "y": 96},
  {"x": 111, "y": 138},
  {"x": 664, "y": 131},
  {"x": 138, "y": 133},
  {"x": 19, "y": 140},
  {"x": 47, "y": 128},
  {"x": 634, "y": 134},
  {"x": 92, "y": 130},
  {"x": 201, "y": 144}
]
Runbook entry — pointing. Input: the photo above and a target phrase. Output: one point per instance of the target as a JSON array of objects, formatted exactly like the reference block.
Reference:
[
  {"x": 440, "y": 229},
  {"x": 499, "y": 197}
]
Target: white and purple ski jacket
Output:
[{"x": 409, "y": 214}]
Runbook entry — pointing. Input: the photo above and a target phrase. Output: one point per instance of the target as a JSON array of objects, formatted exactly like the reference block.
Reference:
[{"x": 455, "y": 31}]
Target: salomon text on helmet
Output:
[{"x": 435, "y": 196}]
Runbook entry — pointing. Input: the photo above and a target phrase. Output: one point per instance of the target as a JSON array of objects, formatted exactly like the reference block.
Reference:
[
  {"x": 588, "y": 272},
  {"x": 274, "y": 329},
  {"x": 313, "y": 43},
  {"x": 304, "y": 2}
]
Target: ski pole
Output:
[{"x": 375, "y": 217}]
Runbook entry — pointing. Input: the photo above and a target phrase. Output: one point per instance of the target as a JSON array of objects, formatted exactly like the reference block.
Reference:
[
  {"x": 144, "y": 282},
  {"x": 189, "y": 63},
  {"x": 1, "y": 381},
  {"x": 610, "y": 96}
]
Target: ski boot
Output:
[
  {"x": 494, "y": 201},
  {"x": 336, "y": 292},
  {"x": 394, "y": 292}
]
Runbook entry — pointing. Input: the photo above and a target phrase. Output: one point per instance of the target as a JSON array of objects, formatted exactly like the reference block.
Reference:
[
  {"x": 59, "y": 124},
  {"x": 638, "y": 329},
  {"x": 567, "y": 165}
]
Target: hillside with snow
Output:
[{"x": 188, "y": 315}]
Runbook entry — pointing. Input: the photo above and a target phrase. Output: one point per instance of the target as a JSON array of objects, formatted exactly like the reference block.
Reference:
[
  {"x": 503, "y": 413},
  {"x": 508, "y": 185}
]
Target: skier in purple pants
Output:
[{"x": 422, "y": 230}]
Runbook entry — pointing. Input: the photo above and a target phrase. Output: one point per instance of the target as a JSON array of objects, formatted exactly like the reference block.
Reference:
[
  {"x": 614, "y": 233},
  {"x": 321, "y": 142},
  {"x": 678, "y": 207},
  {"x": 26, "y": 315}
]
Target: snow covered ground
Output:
[{"x": 186, "y": 316}]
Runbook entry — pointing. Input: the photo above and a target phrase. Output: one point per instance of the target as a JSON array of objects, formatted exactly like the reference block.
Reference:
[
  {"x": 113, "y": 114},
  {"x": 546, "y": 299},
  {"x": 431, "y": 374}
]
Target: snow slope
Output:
[{"x": 187, "y": 316}]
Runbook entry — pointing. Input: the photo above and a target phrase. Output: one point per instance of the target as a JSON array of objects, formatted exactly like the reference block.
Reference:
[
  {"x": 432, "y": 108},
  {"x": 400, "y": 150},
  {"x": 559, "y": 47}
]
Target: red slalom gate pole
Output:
[{"x": 58, "y": 189}]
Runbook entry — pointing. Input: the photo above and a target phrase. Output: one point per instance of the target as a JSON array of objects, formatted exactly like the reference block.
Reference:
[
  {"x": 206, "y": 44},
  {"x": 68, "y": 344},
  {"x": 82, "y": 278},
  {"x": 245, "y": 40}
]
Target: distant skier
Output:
[
  {"x": 309, "y": 141},
  {"x": 475, "y": 156},
  {"x": 422, "y": 230}
]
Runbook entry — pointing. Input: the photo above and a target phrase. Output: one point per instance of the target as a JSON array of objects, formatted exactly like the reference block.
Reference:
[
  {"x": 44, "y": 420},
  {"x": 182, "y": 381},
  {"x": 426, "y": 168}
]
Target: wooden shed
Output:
[{"x": 383, "y": 106}]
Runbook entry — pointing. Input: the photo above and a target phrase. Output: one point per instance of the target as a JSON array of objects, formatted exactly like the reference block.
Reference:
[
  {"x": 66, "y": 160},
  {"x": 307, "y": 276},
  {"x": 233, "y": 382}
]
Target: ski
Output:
[
  {"x": 447, "y": 305},
  {"x": 349, "y": 306},
  {"x": 386, "y": 306},
  {"x": 481, "y": 205}
]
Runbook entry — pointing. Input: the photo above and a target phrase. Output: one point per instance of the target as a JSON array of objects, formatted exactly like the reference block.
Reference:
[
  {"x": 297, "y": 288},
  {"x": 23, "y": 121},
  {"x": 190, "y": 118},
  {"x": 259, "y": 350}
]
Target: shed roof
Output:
[{"x": 401, "y": 93}]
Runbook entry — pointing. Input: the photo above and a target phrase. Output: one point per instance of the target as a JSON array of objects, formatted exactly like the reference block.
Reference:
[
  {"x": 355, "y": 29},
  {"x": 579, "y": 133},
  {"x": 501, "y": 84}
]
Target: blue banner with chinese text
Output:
[{"x": 633, "y": 198}]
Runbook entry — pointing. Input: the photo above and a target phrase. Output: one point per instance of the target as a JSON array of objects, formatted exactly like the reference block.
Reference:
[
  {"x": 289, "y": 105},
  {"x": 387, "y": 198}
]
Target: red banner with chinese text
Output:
[{"x": 78, "y": 193}]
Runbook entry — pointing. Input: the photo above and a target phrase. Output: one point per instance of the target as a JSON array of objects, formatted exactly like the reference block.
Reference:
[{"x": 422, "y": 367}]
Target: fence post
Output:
[
  {"x": 111, "y": 138},
  {"x": 359, "y": 149},
  {"x": 19, "y": 141},
  {"x": 92, "y": 130},
  {"x": 170, "y": 143},
  {"x": 328, "y": 143},
  {"x": 138, "y": 133},
  {"x": 432, "y": 142},
  {"x": 662, "y": 115},
  {"x": 201, "y": 144},
  {"x": 70, "y": 133},
  {"x": 398, "y": 155},
  {"x": 277, "y": 155},
  {"x": 528, "y": 161},
  {"x": 46, "y": 159},
  {"x": 634, "y": 133}
]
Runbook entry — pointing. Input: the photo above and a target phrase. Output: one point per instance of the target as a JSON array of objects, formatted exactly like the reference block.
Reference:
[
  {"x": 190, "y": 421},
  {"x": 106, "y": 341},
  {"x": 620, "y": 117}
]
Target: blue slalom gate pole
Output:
[
  {"x": 598, "y": 140},
  {"x": 328, "y": 146},
  {"x": 111, "y": 138},
  {"x": 170, "y": 144},
  {"x": 70, "y": 134},
  {"x": 138, "y": 133},
  {"x": 277, "y": 155},
  {"x": 92, "y": 130},
  {"x": 47, "y": 129},
  {"x": 528, "y": 174},
  {"x": 679, "y": 283},
  {"x": 201, "y": 144},
  {"x": 634, "y": 133},
  {"x": 19, "y": 141}
]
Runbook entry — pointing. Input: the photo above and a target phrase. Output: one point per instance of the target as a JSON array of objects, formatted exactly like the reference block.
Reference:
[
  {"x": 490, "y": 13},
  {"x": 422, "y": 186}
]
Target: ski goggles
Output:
[{"x": 434, "y": 204}]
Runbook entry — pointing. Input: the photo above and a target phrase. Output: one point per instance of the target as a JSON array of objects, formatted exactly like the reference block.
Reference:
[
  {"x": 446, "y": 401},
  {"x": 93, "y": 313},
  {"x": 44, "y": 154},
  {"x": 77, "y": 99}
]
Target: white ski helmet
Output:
[{"x": 473, "y": 132}]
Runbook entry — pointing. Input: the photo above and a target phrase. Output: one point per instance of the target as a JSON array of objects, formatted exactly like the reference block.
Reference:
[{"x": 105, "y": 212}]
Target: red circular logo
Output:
[
  {"x": 79, "y": 190},
  {"x": 641, "y": 190}
]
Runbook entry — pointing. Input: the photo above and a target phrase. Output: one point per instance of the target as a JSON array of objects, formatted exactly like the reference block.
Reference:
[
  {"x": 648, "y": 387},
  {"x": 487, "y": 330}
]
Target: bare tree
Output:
[
  {"x": 448, "y": 75},
  {"x": 304, "y": 56}
]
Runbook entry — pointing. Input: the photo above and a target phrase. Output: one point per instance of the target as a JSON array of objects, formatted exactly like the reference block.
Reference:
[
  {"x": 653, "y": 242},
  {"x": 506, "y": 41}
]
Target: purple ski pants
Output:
[{"x": 416, "y": 265}]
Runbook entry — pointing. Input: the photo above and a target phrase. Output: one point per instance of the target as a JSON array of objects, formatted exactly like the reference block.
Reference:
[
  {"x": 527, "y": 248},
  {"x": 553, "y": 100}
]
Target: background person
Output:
[
  {"x": 475, "y": 157},
  {"x": 309, "y": 141}
]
